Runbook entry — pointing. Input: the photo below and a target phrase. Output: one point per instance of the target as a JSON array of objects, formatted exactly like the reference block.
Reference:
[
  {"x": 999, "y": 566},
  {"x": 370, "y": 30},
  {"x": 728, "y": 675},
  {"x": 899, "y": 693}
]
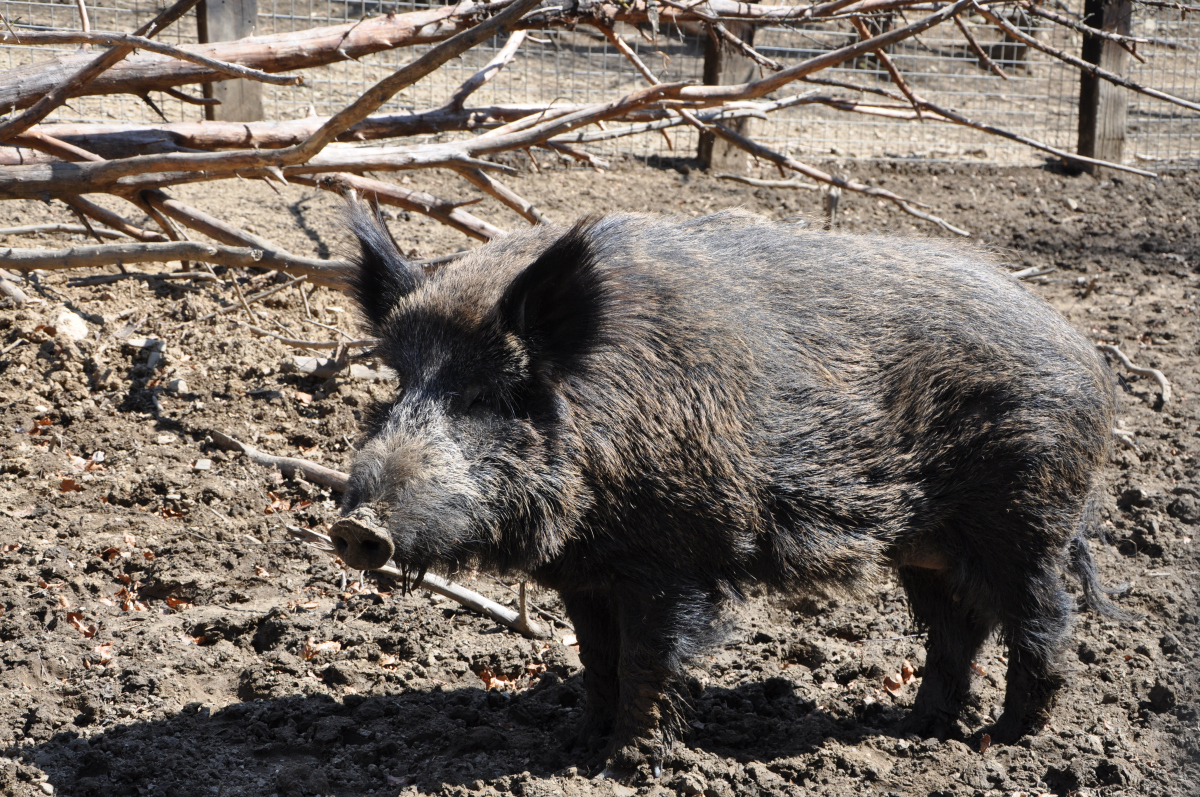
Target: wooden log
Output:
[
  {"x": 229, "y": 20},
  {"x": 1102, "y": 105}
]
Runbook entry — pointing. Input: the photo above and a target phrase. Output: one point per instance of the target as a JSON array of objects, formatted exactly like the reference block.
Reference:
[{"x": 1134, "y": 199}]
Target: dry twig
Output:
[{"x": 1158, "y": 376}]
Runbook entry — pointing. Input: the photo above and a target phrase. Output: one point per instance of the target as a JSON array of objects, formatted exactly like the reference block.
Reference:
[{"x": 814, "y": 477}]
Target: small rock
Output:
[
  {"x": 165, "y": 439},
  {"x": 46, "y": 787},
  {"x": 203, "y": 464},
  {"x": 1169, "y": 644},
  {"x": 1072, "y": 204},
  {"x": 1185, "y": 508},
  {"x": 177, "y": 386},
  {"x": 1162, "y": 697},
  {"x": 70, "y": 325}
]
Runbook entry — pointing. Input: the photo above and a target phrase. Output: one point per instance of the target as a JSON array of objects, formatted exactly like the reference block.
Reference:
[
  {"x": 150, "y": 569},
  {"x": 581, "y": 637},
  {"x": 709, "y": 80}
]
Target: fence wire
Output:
[{"x": 1039, "y": 100}]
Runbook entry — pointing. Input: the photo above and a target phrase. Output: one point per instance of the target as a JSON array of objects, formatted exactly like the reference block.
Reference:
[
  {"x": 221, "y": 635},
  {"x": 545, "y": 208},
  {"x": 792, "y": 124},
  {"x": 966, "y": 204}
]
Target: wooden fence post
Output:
[
  {"x": 226, "y": 20},
  {"x": 1103, "y": 106},
  {"x": 722, "y": 67}
]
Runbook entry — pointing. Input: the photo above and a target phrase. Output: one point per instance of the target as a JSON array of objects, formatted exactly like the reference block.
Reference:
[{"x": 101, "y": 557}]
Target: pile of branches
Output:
[{"x": 140, "y": 163}]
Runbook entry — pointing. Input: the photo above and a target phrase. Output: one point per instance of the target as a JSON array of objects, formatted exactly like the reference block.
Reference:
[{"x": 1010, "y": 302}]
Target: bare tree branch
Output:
[
  {"x": 38, "y": 37},
  {"x": 507, "y": 53},
  {"x": 1079, "y": 63},
  {"x": 56, "y": 97}
]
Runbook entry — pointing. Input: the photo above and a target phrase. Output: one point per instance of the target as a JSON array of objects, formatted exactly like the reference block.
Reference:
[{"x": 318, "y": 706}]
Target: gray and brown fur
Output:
[{"x": 650, "y": 414}]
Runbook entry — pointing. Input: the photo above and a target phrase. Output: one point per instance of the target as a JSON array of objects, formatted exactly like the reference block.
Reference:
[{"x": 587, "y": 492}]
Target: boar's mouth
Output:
[{"x": 361, "y": 542}]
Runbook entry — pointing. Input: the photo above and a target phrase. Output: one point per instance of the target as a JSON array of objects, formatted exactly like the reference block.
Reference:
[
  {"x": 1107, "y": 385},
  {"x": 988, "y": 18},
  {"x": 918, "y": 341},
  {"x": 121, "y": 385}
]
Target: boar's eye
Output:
[{"x": 473, "y": 399}]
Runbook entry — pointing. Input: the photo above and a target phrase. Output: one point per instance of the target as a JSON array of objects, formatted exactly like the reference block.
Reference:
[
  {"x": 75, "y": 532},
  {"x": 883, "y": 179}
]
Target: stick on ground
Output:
[
  {"x": 1153, "y": 373},
  {"x": 516, "y": 620}
]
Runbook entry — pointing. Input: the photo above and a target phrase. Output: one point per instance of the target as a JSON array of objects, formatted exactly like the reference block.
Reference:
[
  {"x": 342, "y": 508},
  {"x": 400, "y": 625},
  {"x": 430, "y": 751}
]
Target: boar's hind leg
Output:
[
  {"x": 595, "y": 621},
  {"x": 1036, "y": 622},
  {"x": 956, "y": 631}
]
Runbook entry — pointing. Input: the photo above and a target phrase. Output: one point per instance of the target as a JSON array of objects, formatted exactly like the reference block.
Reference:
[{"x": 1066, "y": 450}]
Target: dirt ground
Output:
[{"x": 161, "y": 635}]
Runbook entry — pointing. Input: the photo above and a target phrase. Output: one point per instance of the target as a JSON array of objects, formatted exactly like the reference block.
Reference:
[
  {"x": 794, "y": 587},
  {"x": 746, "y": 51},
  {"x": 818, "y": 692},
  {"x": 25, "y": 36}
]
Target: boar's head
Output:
[{"x": 475, "y": 460}]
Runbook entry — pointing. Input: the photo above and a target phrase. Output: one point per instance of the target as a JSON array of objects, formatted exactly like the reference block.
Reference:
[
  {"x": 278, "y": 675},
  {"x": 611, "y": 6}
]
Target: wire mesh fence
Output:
[{"x": 1039, "y": 99}]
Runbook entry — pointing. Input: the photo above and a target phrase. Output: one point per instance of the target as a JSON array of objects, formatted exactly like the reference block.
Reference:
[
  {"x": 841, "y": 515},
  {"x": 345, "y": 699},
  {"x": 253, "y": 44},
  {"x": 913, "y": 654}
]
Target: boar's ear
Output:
[
  {"x": 554, "y": 304},
  {"x": 382, "y": 275}
]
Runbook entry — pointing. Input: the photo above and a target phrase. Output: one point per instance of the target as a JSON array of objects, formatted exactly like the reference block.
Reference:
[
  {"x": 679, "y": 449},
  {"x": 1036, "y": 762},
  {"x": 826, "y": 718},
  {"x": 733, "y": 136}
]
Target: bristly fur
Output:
[
  {"x": 651, "y": 414},
  {"x": 382, "y": 275}
]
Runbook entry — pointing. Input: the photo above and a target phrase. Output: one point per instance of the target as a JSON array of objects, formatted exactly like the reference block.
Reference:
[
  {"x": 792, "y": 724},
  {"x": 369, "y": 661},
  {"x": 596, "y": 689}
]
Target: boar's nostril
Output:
[{"x": 360, "y": 542}]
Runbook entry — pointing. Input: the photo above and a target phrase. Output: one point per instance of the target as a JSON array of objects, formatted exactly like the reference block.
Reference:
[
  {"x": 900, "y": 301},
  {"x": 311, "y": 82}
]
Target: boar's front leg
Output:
[
  {"x": 659, "y": 631},
  {"x": 595, "y": 619}
]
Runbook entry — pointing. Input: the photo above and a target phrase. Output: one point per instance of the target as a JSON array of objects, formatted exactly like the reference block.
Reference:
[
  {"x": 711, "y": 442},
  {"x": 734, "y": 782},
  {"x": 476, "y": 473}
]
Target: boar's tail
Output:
[{"x": 1081, "y": 565}]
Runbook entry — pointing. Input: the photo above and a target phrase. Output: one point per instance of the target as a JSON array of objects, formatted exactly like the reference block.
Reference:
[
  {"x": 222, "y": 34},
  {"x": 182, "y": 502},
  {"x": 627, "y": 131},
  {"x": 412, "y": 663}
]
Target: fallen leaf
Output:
[
  {"x": 176, "y": 603},
  {"x": 63, "y": 602},
  {"x": 979, "y": 670},
  {"x": 76, "y": 619},
  {"x": 10, "y": 547},
  {"x": 985, "y": 742},
  {"x": 387, "y": 660},
  {"x": 893, "y": 684},
  {"x": 124, "y": 578},
  {"x": 277, "y": 505},
  {"x": 105, "y": 652},
  {"x": 907, "y": 674},
  {"x": 110, "y": 553},
  {"x": 148, "y": 556},
  {"x": 188, "y": 639},
  {"x": 303, "y": 398},
  {"x": 534, "y": 670},
  {"x": 70, "y": 486},
  {"x": 261, "y": 572},
  {"x": 312, "y": 648}
]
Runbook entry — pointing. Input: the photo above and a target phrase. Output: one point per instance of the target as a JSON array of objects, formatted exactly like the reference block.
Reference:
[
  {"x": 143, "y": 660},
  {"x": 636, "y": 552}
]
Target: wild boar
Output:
[{"x": 649, "y": 414}]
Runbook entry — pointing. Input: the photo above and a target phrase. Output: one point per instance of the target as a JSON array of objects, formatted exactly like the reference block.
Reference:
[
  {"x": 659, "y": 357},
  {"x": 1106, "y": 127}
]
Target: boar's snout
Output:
[{"x": 360, "y": 541}]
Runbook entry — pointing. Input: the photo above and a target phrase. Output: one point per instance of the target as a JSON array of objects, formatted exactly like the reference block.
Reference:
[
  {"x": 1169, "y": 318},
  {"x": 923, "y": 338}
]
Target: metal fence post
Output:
[
  {"x": 1103, "y": 106},
  {"x": 724, "y": 66},
  {"x": 226, "y": 20}
]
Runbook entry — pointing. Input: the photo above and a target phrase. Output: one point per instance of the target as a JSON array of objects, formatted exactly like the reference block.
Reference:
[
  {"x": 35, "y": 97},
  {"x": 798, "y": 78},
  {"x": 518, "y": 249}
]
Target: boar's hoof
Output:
[
  {"x": 931, "y": 724},
  {"x": 360, "y": 542}
]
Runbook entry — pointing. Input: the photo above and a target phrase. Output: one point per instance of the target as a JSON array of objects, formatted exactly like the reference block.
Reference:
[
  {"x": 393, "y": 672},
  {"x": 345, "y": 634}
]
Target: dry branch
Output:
[
  {"x": 290, "y": 466},
  {"x": 114, "y": 220},
  {"x": 948, "y": 115},
  {"x": 74, "y": 229},
  {"x": 892, "y": 71},
  {"x": 13, "y": 292},
  {"x": 759, "y": 151},
  {"x": 1079, "y": 63},
  {"x": 800, "y": 184},
  {"x": 1158, "y": 376},
  {"x": 517, "y": 620},
  {"x": 984, "y": 58},
  {"x": 338, "y": 481},
  {"x": 59, "y": 37},
  {"x": 333, "y": 273},
  {"x": 449, "y": 213},
  {"x": 485, "y": 183},
  {"x": 56, "y": 96},
  {"x": 507, "y": 53}
]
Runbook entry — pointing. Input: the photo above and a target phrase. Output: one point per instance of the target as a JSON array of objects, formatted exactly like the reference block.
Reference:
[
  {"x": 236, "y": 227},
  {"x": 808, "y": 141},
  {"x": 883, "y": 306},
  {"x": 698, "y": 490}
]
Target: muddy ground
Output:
[{"x": 160, "y": 634}]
